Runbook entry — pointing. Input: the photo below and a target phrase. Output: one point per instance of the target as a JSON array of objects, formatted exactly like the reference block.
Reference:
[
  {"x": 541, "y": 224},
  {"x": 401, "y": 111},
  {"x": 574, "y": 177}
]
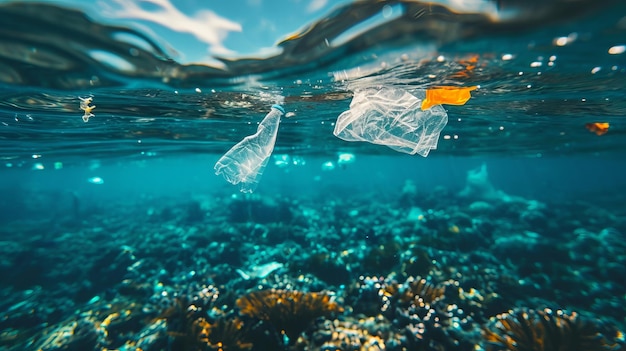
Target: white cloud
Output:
[
  {"x": 205, "y": 25},
  {"x": 316, "y": 5}
]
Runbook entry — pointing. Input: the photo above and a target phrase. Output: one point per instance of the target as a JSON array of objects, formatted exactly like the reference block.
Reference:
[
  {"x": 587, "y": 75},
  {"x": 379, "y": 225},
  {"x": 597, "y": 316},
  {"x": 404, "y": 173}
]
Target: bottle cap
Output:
[{"x": 279, "y": 108}]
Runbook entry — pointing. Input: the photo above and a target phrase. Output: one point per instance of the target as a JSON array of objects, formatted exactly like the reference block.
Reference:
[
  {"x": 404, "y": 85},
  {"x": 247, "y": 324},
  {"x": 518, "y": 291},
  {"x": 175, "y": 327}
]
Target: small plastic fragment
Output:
[
  {"x": 600, "y": 128},
  {"x": 96, "y": 180},
  {"x": 245, "y": 162},
  {"x": 468, "y": 67},
  {"x": 345, "y": 158},
  {"x": 392, "y": 117},
  {"x": 446, "y": 95},
  {"x": 84, "y": 105}
]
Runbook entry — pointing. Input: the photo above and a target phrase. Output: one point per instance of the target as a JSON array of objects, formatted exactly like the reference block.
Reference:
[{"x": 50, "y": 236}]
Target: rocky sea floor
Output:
[{"x": 442, "y": 270}]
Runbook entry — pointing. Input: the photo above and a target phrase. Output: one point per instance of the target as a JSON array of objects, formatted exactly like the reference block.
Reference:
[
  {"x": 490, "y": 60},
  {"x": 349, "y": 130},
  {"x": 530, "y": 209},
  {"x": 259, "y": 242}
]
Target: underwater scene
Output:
[{"x": 328, "y": 175}]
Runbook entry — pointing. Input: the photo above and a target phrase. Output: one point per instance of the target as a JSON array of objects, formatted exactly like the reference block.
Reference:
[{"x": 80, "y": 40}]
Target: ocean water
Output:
[{"x": 116, "y": 233}]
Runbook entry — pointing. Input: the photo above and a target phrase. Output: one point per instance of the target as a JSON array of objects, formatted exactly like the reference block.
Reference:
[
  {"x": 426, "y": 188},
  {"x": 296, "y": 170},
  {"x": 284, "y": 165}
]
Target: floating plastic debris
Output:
[
  {"x": 84, "y": 105},
  {"x": 562, "y": 41},
  {"x": 600, "y": 128},
  {"x": 345, "y": 158},
  {"x": 298, "y": 161},
  {"x": 446, "y": 95},
  {"x": 286, "y": 160},
  {"x": 282, "y": 160},
  {"x": 617, "y": 49},
  {"x": 469, "y": 64},
  {"x": 96, "y": 180},
  {"x": 261, "y": 271},
  {"x": 245, "y": 162},
  {"x": 328, "y": 166},
  {"x": 392, "y": 117}
]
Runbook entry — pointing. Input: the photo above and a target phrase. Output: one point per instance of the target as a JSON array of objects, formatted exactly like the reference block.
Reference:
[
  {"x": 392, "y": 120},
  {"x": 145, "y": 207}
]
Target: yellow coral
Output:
[
  {"x": 223, "y": 335},
  {"x": 291, "y": 312},
  {"x": 530, "y": 330}
]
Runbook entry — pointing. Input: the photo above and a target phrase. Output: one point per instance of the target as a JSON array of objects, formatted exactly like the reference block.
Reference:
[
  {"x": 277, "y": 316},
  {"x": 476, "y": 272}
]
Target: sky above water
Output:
[{"x": 195, "y": 30}]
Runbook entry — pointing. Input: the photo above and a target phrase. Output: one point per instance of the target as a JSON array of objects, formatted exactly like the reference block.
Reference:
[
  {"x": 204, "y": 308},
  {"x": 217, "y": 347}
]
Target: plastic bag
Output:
[
  {"x": 393, "y": 117},
  {"x": 245, "y": 162}
]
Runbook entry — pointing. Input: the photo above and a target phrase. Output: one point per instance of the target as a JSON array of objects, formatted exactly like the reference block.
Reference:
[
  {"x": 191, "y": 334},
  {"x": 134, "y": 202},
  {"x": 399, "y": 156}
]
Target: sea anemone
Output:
[
  {"x": 290, "y": 312},
  {"x": 544, "y": 330}
]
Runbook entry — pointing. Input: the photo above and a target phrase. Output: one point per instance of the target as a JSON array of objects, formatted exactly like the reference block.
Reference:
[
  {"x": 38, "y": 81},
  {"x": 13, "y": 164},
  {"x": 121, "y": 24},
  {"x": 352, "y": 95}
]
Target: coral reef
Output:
[
  {"x": 289, "y": 312},
  {"x": 342, "y": 336},
  {"x": 428, "y": 271},
  {"x": 544, "y": 330},
  {"x": 74, "y": 335},
  {"x": 421, "y": 291},
  {"x": 225, "y": 334}
]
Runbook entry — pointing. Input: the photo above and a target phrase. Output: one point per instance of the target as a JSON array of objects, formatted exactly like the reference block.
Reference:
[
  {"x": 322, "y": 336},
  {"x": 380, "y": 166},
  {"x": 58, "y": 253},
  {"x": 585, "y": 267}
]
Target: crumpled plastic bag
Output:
[
  {"x": 245, "y": 162},
  {"x": 392, "y": 117}
]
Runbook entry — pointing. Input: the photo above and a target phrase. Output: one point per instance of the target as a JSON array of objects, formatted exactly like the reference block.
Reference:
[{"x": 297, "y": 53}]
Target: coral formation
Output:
[
  {"x": 424, "y": 273},
  {"x": 225, "y": 334},
  {"x": 290, "y": 312},
  {"x": 339, "y": 335},
  {"x": 420, "y": 312},
  {"x": 420, "y": 290},
  {"x": 74, "y": 335},
  {"x": 544, "y": 330},
  {"x": 186, "y": 323}
]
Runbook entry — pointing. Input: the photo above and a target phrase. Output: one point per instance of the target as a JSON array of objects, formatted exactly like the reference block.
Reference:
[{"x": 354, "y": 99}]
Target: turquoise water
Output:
[{"x": 116, "y": 233}]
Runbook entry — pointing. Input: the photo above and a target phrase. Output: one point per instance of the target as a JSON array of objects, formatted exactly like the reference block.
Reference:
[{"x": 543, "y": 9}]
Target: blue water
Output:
[{"x": 107, "y": 226}]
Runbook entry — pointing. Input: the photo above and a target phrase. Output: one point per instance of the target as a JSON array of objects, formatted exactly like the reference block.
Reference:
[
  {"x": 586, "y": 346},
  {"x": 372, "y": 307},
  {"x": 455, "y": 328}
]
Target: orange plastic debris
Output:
[
  {"x": 446, "y": 95},
  {"x": 468, "y": 67},
  {"x": 470, "y": 63},
  {"x": 600, "y": 128}
]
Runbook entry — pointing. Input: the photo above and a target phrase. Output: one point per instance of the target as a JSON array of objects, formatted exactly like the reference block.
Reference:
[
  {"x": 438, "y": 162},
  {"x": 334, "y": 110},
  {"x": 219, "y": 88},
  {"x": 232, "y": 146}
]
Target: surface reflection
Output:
[{"x": 43, "y": 44}]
